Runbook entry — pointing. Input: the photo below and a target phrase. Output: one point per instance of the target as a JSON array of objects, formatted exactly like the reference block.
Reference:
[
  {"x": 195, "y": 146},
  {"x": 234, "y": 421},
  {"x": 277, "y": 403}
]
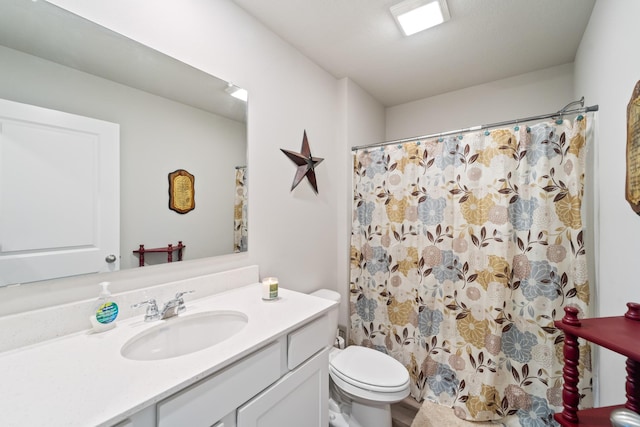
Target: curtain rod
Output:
[
  {"x": 241, "y": 167},
  {"x": 562, "y": 112}
]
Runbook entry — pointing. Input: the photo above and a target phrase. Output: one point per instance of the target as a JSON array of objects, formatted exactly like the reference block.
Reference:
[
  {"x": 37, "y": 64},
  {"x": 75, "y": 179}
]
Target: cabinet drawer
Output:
[
  {"x": 206, "y": 402},
  {"x": 306, "y": 341}
]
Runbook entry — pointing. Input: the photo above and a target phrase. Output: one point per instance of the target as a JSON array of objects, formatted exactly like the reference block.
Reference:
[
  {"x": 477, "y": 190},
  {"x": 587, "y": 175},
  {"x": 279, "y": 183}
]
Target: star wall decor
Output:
[{"x": 306, "y": 164}]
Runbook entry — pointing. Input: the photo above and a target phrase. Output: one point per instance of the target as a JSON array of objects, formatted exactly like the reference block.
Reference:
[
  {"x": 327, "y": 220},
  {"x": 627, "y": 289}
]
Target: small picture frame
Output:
[
  {"x": 632, "y": 188},
  {"x": 181, "y": 191}
]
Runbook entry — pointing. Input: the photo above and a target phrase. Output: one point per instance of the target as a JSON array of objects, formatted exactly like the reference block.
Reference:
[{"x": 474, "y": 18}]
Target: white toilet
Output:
[{"x": 363, "y": 382}]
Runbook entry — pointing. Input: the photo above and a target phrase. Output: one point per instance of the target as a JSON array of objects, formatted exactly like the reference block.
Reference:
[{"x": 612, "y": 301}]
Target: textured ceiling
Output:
[{"x": 485, "y": 40}]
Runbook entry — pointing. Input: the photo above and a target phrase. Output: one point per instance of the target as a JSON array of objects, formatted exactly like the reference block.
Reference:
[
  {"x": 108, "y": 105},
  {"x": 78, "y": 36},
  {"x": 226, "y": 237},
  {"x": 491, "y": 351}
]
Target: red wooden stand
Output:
[
  {"x": 620, "y": 334},
  {"x": 168, "y": 249}
]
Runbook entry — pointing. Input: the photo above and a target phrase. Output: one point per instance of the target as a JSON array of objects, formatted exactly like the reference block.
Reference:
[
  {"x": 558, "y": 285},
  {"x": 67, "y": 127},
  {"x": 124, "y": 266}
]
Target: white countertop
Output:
[{"x": 82, "y": 380}]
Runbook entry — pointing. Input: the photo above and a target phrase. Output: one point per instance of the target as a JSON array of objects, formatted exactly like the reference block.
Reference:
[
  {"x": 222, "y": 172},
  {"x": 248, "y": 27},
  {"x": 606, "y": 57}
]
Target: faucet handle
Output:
[
  {"x": 181, "y": 306},
  {"x": 152, "y": 309},
  {"x": 180, "y": 294}
]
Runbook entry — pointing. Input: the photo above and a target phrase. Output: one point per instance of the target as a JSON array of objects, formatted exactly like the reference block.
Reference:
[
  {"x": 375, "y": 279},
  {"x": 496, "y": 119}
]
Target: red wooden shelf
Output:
[
  {"x": 595, "y": 417},
  {"x": 620, "y": 334},
  {"x": 169, "y": 249}
]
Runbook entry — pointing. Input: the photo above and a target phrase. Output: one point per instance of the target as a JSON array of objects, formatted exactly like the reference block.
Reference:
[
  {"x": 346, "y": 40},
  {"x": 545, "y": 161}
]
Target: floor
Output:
[
  {"x": 403, "y": 413},
  {"x": 431, "y": 414}
]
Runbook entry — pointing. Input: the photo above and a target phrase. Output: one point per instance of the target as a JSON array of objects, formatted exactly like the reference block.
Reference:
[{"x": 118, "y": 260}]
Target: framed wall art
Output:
[{"x": 181, "y": 191}]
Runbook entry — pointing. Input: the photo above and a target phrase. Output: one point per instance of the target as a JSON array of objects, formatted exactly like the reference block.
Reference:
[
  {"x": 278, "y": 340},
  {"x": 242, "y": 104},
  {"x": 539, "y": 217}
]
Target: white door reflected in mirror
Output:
[{"x": 59, "y": 194}]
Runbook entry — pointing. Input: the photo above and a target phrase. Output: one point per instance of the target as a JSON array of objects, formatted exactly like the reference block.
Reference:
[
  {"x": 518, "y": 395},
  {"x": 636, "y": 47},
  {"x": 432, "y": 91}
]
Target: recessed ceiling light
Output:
[{"x": 414, "y": 16}]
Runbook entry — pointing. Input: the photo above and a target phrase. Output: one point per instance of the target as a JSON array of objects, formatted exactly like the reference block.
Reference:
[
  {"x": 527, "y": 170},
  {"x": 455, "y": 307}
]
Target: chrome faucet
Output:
[
  {"x": 171, "y": 308},
  {"x": 175, "y": 306}
]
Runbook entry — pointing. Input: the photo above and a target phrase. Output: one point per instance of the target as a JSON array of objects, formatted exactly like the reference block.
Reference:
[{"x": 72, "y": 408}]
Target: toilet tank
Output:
[{"x": 333, "y": 314}]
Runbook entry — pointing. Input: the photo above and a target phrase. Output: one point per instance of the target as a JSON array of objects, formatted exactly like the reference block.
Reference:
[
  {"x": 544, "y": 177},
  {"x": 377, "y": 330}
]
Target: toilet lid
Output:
[{"x": 369, "y": 367}]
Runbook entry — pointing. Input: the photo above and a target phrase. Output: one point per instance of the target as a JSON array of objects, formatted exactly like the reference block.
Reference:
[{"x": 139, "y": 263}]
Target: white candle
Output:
[{"x": 269, "y": 288}]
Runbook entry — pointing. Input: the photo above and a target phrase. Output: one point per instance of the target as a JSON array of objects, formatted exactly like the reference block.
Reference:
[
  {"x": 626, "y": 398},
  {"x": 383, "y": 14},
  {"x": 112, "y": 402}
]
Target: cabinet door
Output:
[{"x": 300, "y": 398}]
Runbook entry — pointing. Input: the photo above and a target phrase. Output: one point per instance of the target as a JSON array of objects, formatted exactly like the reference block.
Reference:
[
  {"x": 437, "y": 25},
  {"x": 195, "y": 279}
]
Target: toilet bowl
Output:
[{"x": 363, "y": 382}]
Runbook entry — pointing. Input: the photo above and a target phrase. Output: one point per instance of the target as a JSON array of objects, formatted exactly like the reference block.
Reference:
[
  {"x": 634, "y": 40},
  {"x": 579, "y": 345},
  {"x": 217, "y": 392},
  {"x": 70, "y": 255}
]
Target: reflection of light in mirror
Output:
[{"x": 237, "y": 92}]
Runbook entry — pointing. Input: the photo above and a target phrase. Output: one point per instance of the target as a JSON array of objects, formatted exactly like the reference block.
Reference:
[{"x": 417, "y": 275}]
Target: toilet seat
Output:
[
  {"x": 367, "y": 386},
  {"x": 369, "y": 374}
]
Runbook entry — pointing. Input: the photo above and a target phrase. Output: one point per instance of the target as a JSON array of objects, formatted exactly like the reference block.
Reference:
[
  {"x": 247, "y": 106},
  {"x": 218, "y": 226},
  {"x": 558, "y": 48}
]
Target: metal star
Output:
[{"x": 306, "y": 164}]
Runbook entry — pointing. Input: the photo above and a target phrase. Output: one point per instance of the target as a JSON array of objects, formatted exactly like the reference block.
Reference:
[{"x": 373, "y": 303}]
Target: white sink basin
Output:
[{"x": 182, "y": 335}]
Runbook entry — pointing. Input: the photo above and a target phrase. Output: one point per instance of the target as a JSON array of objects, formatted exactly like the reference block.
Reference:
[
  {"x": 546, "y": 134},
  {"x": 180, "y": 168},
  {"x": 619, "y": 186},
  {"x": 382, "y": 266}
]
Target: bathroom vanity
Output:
[{"x": 271, "y": 372}]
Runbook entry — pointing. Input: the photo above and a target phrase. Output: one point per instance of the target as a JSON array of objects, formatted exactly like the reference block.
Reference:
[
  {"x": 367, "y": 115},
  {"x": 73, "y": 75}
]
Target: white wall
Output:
[
  {"x": 157, "y": 136},
  {"x": 363, "y": 120},
  {"x": 606, "y": 71},
  {"x": 292, "y": 235},
  {"x": 526, "y": 95}
]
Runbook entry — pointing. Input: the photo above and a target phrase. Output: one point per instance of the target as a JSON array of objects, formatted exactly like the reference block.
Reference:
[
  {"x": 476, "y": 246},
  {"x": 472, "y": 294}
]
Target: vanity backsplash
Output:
[{"x": 32, "y": 327}]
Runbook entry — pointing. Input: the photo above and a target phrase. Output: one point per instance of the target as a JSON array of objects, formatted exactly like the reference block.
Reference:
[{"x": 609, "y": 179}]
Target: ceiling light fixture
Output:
[
  {"x": 414, "y": 16},
  {"x": 237, "y": 92}
]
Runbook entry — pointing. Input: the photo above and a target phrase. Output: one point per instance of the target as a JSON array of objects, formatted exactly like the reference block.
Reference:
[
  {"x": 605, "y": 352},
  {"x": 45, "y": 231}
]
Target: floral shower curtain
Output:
[
  {"x": 464, "y": 250},
  {"x": 240, "y": 233}
]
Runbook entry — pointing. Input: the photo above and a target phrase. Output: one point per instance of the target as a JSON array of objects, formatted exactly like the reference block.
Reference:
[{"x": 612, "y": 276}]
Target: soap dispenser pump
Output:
[{"x": 104, "y": 311}]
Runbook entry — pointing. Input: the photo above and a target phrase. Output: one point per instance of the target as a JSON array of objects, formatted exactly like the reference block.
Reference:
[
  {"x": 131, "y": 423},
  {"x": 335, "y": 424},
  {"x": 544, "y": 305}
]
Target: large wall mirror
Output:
[{"x": 171, "y": 116}]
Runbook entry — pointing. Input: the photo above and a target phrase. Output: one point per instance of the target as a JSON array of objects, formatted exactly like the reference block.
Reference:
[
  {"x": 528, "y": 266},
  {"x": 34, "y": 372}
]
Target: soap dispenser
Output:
[{"x": 104, "y": 312}]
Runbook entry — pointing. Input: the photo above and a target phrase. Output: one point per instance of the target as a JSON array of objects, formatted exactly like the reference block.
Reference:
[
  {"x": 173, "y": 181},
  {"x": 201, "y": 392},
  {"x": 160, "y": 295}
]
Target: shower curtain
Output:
[
  {"x": 240, "y": 231},
  {"x": 464, "y": 250}
]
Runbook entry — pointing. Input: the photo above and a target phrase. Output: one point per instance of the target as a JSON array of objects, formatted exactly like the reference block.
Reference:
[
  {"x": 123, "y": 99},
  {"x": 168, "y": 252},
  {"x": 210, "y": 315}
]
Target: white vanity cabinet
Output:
[
  {"x": 271, "y": 373},
  {"x": 300, "y": 398},
  {"x": 282, "y": 384},
  {"x": 208, "y": 401}
]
